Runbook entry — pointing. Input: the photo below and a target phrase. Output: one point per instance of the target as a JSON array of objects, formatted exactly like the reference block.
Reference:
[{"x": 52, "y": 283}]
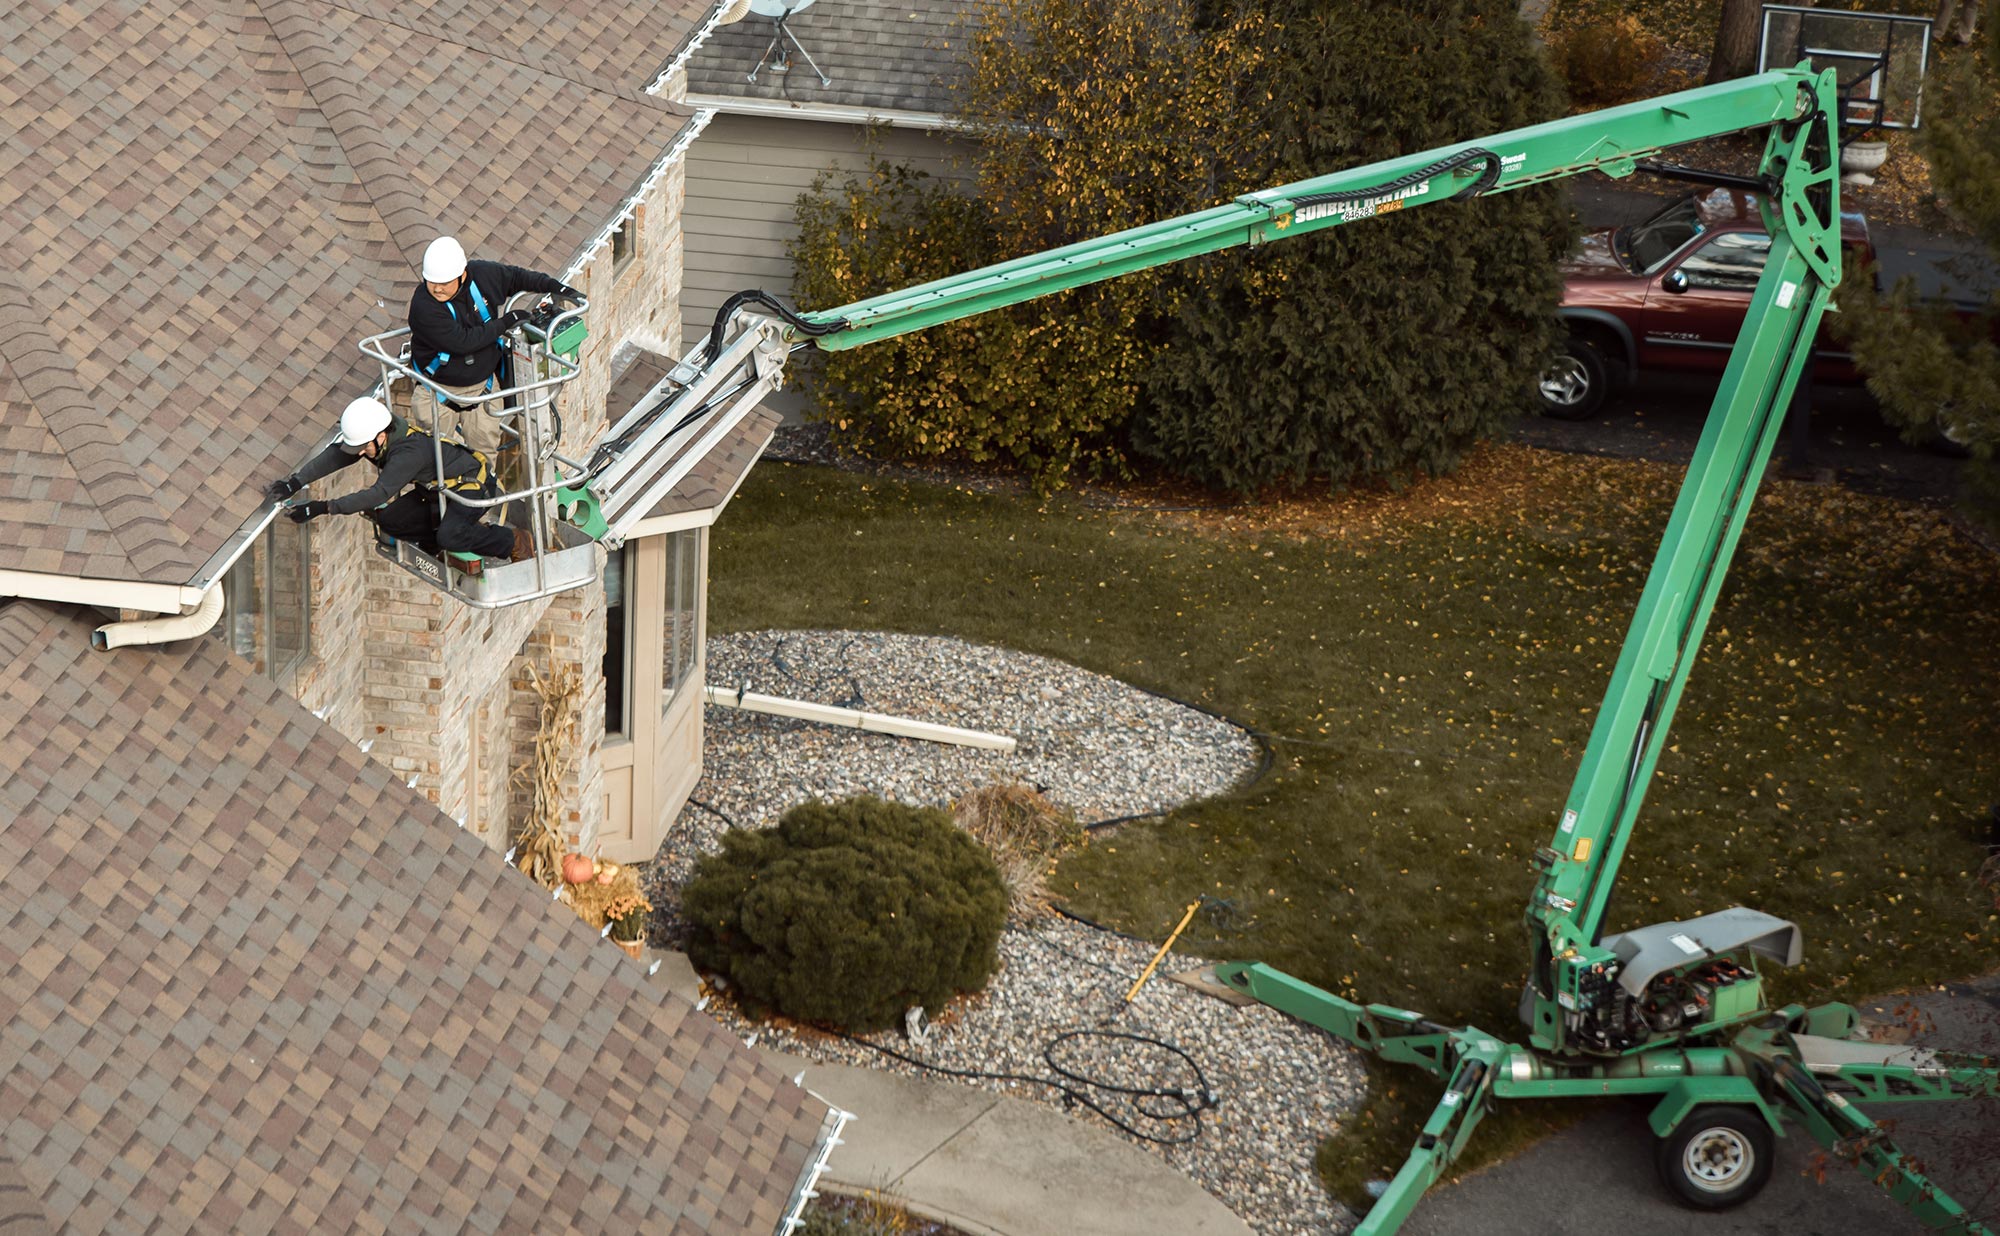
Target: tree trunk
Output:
[
  {"x": 1967, "y": 13},
  {"x": 1735, "y": 41}
]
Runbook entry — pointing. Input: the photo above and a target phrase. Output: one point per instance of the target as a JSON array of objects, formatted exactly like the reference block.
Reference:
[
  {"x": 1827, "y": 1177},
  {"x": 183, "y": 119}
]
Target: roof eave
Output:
[
  {"x": 834, "y": 113},
  {"x": 100, "y": 593}
]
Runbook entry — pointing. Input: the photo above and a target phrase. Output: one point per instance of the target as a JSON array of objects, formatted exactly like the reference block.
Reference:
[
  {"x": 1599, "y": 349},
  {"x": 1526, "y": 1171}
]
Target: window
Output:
[
  {"x": 624, "y": 244},
  {"x": 1646, "y": 245},
  {"x": 1729, "y": 262},
  {"x": 617, "y": 643},
  {"x": 267, "y": 603},
  {"x": 681, "y": 632}
]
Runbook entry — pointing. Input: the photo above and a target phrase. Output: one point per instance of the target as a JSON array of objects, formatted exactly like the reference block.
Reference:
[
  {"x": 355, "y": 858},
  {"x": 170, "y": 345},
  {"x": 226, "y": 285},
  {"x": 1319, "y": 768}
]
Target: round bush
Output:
[{"x": 849, "y": 912}]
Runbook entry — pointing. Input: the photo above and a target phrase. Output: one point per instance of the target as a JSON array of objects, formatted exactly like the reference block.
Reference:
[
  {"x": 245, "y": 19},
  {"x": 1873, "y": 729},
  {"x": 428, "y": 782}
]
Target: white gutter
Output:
[
  {"x": 218, "y": 564},
  {"x": 854, "y": 718},
  {"x": 895, "y": 118},
  {"x": 673, "y": 155},
  {"x": 195, "y": 622},
  {"x": 837, "y": 1120},
  {"x": 102, "y": 593}
]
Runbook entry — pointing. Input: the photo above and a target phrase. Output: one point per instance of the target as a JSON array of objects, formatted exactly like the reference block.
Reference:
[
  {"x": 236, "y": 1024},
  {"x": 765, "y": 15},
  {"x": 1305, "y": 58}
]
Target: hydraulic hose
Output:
[{"x": 757, "y": 296}]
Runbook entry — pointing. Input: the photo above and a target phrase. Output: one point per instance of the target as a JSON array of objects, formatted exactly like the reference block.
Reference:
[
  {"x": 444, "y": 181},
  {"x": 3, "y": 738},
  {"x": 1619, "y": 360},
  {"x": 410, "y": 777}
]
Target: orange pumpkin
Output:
[
  {"x": 577, "y": 868},
  {"x": 607, "y": 872}
]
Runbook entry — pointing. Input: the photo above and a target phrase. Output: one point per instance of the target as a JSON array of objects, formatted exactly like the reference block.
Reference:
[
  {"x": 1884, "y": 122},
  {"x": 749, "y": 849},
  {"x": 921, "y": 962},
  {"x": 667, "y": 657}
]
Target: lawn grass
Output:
[{"x": 1427, "y": 665}]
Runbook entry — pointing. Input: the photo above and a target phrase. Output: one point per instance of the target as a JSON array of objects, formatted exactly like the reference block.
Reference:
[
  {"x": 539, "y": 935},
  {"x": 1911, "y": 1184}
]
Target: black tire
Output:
[
  {"x": 1720, "y": 1156},
  {"x": 1573, "y": 385}
]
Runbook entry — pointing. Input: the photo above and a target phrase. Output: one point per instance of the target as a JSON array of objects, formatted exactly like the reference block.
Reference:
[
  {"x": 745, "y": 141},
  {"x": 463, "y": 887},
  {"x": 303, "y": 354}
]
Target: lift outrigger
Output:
[{"x": 1674, "y": 1010}]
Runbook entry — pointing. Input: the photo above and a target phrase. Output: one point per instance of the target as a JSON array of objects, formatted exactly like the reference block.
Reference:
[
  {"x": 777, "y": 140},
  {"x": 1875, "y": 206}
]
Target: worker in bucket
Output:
[
  {"x": 406, "y": 460},
  {"x": 457, "y": 334}
]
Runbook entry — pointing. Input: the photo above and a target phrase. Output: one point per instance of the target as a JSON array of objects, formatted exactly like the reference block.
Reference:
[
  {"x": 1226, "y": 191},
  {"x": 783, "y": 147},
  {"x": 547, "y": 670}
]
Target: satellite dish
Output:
[{"x": 776, "y": 56}]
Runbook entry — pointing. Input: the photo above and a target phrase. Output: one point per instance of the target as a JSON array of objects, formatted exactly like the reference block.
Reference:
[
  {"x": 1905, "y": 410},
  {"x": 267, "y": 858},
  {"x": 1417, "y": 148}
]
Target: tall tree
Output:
[
  {"x": 1379, "y": 348},
  {"x": 1371, "y": 350},
  {"x": 1735, "y": 53},
  {"x": 1935, "y": 368},
  {"x": 1093, "y": 116}
]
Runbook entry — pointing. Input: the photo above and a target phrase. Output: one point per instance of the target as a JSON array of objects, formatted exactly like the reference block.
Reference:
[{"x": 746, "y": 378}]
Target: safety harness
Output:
[
  {"x": 485, "y": 313},
  {"x": 468, "y": 482}
]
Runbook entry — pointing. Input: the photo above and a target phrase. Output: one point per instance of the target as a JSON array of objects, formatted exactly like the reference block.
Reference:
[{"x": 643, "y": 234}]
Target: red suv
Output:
[{"x": 1670, "y": 293}]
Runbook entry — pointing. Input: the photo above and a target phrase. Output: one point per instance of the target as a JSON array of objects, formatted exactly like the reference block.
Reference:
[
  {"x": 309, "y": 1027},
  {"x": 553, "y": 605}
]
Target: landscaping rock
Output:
[{"x": 1105, "y": 750}]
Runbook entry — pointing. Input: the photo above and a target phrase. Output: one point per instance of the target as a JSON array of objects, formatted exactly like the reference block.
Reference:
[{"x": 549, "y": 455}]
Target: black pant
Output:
[{"x": 414, "y": 517}]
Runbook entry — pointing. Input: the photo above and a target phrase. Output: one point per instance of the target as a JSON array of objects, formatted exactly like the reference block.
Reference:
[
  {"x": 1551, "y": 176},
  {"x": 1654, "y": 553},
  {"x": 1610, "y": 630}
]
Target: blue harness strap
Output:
[
  {"x": 485, "y": 312},
  {"x": 479, "y": 305}
]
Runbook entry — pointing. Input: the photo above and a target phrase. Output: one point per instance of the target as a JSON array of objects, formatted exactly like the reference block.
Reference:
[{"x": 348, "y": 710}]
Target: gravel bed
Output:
[
  {"x": 1103, "y": 749},
  {"x": 1100, "y": 747}
]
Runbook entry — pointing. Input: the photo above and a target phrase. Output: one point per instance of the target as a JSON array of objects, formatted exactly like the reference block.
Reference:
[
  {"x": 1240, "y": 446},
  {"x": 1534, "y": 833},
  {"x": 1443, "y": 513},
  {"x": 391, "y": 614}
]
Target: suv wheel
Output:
[{"x": 1573, "y": 385}]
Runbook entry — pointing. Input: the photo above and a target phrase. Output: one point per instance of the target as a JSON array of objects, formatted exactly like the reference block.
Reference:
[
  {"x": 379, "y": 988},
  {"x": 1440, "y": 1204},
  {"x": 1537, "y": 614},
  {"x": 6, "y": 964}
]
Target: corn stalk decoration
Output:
[{"x": 539, "y": 844}]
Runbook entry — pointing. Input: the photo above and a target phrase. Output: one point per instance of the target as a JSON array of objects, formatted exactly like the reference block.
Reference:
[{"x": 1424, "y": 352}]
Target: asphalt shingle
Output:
[
  {"x": 252, "y": 981},
  {"x": 207, "y": 204},
  {"x": 897, "y": 57}
]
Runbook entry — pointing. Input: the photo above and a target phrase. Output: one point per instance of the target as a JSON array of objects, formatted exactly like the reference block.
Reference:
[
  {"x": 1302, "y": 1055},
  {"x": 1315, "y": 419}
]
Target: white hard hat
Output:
[
  {"x": 363, "y": 419},
  {"x": 443, "y": 261}
]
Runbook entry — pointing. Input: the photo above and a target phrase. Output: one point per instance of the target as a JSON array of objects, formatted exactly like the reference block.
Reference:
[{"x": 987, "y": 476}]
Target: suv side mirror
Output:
[{"x": 1675, "y": 281}]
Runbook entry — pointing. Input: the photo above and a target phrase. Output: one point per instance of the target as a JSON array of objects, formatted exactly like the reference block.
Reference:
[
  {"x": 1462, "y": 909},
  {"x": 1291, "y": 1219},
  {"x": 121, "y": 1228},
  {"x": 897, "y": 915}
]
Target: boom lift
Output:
[
  {"x": 1675, "y": 1010},
  {"x": 536, "y": 480}
]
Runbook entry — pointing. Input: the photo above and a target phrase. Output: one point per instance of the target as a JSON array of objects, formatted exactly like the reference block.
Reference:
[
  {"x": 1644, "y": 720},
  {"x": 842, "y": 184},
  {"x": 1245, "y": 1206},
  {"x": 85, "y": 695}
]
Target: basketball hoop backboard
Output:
[{"x": 1880, "y": 58}]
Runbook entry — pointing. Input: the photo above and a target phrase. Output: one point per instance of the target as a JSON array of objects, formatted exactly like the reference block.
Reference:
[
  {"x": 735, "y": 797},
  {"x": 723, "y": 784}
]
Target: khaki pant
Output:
[{"x": 479, "y": 424}]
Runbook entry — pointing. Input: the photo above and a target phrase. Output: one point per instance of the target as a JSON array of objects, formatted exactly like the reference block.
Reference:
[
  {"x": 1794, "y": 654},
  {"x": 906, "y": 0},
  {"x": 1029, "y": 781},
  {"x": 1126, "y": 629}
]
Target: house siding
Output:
[{"x": 745, "y": 175}]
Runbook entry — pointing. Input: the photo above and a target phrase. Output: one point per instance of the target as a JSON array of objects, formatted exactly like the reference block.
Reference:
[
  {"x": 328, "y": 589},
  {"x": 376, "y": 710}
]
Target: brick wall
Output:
[{"x": 419, "y": 674}]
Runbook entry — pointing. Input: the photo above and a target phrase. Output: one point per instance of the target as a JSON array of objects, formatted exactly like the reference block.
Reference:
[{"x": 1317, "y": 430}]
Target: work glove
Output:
[
  {"x": 303, "y": 511},
  {"x": 283, "y": 488},
  {"x": 568, "y": 293},
  {"x": 512, "y": 318}
]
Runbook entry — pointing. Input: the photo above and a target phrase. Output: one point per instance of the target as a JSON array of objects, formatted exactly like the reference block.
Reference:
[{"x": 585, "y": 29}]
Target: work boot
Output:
[{"x": 524, "y": 546}]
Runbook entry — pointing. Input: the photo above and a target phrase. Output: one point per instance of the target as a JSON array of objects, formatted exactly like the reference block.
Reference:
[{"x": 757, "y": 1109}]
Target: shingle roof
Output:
[
  {"x": 901, "y": 56},
  {"x": 207, "y": 204},
  {"x": 249, "y": 981}
]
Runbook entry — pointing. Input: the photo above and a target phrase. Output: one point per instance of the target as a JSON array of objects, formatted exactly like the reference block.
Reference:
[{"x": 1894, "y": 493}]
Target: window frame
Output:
[{"x": 256, "y": 574}]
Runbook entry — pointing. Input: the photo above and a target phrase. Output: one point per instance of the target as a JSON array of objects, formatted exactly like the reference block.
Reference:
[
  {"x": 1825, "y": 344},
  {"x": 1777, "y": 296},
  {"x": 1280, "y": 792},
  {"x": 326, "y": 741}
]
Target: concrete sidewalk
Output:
[{"x": 988, "y": 1164}]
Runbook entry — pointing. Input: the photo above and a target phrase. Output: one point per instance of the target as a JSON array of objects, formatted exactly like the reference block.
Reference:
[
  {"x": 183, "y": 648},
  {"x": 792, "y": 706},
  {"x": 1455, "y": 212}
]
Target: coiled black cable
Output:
[
  {"x": 757, "y": 296},
  {"x": 1158, "y": 1104}
]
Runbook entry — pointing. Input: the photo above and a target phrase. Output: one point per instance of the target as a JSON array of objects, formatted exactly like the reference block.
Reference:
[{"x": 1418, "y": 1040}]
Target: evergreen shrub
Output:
[
  {"x": 1386, "y": 347},
  {"x": 848, "y": 913}
]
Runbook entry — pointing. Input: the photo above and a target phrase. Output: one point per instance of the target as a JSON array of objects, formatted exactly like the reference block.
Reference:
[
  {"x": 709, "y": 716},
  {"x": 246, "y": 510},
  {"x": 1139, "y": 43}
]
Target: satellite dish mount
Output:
[{"x": 776, "y": 56}]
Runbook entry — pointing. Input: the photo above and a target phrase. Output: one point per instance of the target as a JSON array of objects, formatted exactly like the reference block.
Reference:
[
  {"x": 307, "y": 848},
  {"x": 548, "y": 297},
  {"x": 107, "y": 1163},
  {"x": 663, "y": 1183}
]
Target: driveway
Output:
[{"x": 1598, "y": 1176}]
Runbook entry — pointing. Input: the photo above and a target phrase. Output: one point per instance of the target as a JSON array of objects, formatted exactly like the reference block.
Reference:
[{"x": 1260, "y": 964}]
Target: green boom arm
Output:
[
  {"x": 1570, "y": 972},
  {"x": 1611, "y": 141}
]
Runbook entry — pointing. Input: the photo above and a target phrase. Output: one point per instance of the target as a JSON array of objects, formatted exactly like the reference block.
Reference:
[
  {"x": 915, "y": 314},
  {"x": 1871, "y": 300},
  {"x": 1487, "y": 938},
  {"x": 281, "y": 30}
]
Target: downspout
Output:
[{"x": 165, "y": 630}]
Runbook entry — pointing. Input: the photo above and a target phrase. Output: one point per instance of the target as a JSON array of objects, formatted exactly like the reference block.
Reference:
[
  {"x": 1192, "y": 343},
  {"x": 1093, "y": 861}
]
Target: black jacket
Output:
[
  {"x": 452, "y": 329},
  {"x": 408, "y": 459}
]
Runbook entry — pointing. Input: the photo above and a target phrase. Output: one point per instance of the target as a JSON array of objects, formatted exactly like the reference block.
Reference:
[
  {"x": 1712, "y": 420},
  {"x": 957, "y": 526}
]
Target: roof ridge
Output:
[
  {"x": 376, "y": 170},
  {"x": 381, "y": 174},
  {"x": 47, "y": 376}
]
